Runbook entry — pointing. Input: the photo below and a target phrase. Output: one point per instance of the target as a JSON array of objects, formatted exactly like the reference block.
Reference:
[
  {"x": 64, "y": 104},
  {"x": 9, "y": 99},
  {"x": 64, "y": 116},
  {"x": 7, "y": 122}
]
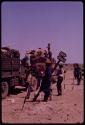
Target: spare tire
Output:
[{"x": 4, "y": 89}]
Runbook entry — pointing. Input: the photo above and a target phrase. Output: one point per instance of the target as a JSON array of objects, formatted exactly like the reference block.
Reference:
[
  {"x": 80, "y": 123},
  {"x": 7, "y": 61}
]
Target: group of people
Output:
[
  {"x": 46, "y": 81},
  {"x": 45, "y": 85}
]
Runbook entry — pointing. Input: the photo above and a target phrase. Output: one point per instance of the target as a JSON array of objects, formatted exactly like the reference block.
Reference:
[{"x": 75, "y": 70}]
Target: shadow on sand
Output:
[{"x": 16, "y": 91}]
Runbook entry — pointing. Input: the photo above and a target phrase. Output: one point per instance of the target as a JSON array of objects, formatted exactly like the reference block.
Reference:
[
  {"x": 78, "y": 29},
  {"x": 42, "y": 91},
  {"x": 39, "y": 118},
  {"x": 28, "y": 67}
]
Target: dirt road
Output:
[{"x": 68, "y": 108}]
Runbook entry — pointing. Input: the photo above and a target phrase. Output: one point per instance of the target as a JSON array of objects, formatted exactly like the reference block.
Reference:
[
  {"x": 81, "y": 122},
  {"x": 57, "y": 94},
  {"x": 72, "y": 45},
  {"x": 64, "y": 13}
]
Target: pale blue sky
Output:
[{"x": 35, "y": 24}]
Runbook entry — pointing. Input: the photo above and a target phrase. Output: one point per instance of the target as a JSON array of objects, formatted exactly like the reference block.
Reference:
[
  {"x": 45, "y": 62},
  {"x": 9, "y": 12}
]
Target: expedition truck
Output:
[{"x": 12, "y": 72}]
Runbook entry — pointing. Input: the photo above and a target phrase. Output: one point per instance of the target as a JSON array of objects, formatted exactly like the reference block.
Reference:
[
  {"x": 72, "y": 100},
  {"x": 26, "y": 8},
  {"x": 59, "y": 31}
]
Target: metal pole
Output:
[{"x": 27, "y": 96}]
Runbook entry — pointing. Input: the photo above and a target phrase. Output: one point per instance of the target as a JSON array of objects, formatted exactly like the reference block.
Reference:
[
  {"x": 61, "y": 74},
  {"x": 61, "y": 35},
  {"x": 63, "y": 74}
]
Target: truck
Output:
[{"x": 12, "y": 72}]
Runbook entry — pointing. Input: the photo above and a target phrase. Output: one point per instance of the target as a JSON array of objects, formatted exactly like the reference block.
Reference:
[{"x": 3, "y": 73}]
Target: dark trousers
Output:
[
  {"x": 59, "y": 87},
  {"x": 46, "y": 90},
  {"x": 78, "y": 80},
  {"x": 47, "y": 94}
]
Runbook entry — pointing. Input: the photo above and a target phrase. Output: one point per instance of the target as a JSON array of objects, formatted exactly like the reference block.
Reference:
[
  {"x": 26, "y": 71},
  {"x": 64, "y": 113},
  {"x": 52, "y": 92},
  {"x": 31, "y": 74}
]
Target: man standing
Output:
[
  {"x": 46, "y": 82},
  {"x": 59, "y": 79},
  {"x": 49, "y": 52},
  {"x": 77, "y": 73}
]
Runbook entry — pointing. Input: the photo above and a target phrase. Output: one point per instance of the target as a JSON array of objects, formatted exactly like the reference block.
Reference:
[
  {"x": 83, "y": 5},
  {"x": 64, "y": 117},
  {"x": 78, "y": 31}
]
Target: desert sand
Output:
[{"x": 68, "y": 108}]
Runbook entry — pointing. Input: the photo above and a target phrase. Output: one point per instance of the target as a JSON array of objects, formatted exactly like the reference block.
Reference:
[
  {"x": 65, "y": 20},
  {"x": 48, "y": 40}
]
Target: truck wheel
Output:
[{"x": 4, "y": 89}]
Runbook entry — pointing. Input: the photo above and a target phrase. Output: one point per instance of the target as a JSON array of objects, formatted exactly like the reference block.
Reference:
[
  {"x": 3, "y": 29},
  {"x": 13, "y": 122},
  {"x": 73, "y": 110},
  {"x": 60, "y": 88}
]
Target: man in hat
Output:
[
  {"x": 60, "y": 74},
  {"x": 46, "y": 82}
]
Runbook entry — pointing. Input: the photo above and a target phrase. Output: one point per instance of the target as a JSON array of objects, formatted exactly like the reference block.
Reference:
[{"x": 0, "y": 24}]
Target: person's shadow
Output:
[{"x": 16, "y": 91}]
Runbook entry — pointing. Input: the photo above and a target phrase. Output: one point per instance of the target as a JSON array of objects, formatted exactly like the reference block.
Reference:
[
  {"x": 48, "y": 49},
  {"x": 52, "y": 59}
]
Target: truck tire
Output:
[{"x": 4, "y": 89}]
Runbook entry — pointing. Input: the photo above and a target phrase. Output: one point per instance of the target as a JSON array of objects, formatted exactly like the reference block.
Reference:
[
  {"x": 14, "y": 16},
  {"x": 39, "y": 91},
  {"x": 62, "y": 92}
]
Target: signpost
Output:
[
  {"x": 61, "y": 59},
  {"x": 62, "y": 56}
]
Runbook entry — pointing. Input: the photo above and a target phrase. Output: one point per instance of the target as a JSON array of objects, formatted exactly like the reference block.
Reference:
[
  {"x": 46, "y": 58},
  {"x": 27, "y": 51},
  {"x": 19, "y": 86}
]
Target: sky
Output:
[{"x": 32, "y": 25}]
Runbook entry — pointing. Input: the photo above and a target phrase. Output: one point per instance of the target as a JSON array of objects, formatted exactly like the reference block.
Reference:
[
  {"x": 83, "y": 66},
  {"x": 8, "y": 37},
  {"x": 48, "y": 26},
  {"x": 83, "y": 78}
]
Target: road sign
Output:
[
  {"x": 61, "y": 58},
  {"x": 62, "y": 54}
]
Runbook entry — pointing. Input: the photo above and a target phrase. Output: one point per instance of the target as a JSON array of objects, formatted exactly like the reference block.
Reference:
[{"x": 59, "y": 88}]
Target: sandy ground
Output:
[{"x": 68, "y": 108}]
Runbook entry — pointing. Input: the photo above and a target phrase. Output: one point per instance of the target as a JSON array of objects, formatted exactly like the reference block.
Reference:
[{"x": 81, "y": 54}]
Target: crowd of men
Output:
[{"x": 45, "y": 81}]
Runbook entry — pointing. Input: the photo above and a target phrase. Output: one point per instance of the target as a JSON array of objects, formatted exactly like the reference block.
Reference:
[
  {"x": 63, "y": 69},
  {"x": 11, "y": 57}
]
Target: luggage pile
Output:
[{"x": 38, "y": 58}]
